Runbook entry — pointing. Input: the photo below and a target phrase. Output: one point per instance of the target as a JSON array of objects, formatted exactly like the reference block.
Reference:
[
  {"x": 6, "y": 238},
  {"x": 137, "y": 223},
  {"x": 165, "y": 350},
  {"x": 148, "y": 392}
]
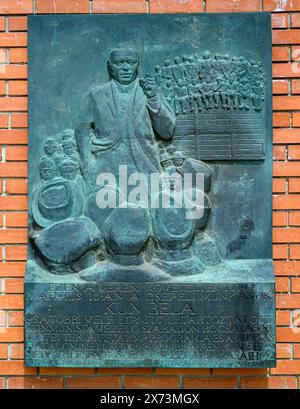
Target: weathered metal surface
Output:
[{"x": 135, "y": 283}]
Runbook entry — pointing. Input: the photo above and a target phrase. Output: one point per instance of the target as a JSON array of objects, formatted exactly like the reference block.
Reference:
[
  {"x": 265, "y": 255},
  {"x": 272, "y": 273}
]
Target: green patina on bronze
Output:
[{"x": 136, "y": 285}]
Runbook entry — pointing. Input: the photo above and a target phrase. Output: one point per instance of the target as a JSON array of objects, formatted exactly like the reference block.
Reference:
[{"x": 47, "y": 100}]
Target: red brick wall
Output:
[{"x": 13, "y": 201}]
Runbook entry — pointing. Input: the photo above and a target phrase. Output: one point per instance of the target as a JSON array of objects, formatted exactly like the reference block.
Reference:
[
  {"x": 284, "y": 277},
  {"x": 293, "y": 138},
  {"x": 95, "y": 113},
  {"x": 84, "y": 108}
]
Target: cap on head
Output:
[{"x": 50, "y": 141}]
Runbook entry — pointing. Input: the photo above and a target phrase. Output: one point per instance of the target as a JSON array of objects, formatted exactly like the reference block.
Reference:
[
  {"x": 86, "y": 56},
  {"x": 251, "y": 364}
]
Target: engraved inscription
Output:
[{"x": 131, "y": 321}]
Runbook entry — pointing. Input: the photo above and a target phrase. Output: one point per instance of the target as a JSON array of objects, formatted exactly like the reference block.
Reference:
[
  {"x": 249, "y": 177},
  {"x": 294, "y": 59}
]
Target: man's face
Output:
[
  {"x": 178, "y": 161},
  {"x": 50, "y": 148},
  {"x": 123, "y": 66}
]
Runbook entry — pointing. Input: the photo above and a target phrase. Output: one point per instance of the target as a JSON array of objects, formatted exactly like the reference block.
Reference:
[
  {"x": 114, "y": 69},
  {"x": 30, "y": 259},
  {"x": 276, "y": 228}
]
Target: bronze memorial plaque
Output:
[{"x": 150, "y": 188}]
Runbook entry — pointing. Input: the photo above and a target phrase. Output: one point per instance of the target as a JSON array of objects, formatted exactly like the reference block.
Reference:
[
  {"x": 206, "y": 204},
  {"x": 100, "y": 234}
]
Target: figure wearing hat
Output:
[
  {"x": 187, "y": 165},
  {"x": 52, "y": 150}
]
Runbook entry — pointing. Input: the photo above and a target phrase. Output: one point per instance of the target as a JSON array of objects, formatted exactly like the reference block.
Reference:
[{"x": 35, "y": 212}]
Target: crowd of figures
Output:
[
  {"x": 203, "y": 81},
  {"x": 60, "y": 158}
]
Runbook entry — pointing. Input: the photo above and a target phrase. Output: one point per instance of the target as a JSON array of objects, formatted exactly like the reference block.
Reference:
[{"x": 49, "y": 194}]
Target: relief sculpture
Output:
[
  {"x": 150, "y": 188},
  {"x": 126, "y": 121}
]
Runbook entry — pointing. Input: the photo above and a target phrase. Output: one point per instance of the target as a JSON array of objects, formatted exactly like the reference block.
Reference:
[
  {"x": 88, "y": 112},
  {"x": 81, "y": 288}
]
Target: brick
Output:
[
  {"x": 13, "y": 169},
  {"x": 239, "y": 371},
  {"x": 11, "y": 302},
  {"x": 124, "y": 371},
  {"x": 94, "y": 383},
  {"x": 14, "y": 286},
  {"x": 14, "y": 186},
  {"x": 18, "y": 55},
  {"x": 285, "y": 169},
  {"x": 13, "y": 39},
  {"x": 16, "y": 136},
  {"x": 283, "y": 235},
  {"x": 279, "y": 152},
  {"x": 16, "y": 153},
  {"x": 3, "y": 58},
  {"x": 15, "y": 318},
  {"x": 16, "y": 351},
  {"x": 210, "y": 383},
  {"x": 273, "y": 382},
  {"x": 12, "y": 269},
  {"x": 295, "y": 86},
  {"x": 286, "y": 366},
  {"x": 15, "y": 367},
  {"x": 2, "y": 23},
  {"x": 34, "y": 383},
  {"x": 183, "y": 371},
  {"x": 17, "y": 88},
  {"x": 284, "y": 268},
  {"x": 286, "y": 135},
  {"x": 280, "y": 20},
  {"x": 286, "y": 70},
  {"x": 279, "y": 5},
  {"x": 15, "y": 253},
  {"x": 283, "y": 317},
  {"x": 296, "y": 321},
  {"x": 17, "y": 23},
  {"x": 296, "y": 119},
  {"x": 280, "y": 53},
  {"x": 297, "y": 351},
  {"x": 11, "y": 236},
  {"x": 254, "y": 383},
  {"x": 14, "y": 334},
  {"x": 66, "y": 371},
  {"x": 282, "y": 202},
  {"x": 279, "y": 87},
  {"x": 294, "y": 218},
  {"x": 279, "y": 185},
  {"x": 281, "y": 284},
  {"x": 175, "y": 6},
  {"x": 280, "y": 251},
  {"x": 151, "y": 383},
  {"x": 295, "y": 285},
  {"x": 13, "y": 104},
  {"x": 294, "y": 185},
  {"x": 16, "y": 7},
  {"x": 3, "y": 120},
  {"x": 291, "y": 36},
  {"x": 279, "y": 218},
  {"x": 14, "y": 219},
  {"x": 288, "y": 301},
  {"x": 19, "y": 120},
  {"x": 294, "y": 152},
  {"x": 232, "y": 6},
  {"x": 117, "y": 6},
  {"x": 62, "y": 6},
  {"x": 13, "y": 72},
  {"x": 2, "y": 318},
  {"x": 2, "y": 88}
]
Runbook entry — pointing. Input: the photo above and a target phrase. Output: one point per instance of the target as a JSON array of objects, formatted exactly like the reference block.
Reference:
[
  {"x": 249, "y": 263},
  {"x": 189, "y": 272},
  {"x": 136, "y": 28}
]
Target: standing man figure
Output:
[{"x": 121, "y": 119}]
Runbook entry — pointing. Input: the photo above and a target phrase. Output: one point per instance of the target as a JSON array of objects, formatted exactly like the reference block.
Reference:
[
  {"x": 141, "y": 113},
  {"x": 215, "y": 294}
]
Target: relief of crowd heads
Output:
[
  {"x": 203, "y": 81},
  {"x": 60, "y": 157}
]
